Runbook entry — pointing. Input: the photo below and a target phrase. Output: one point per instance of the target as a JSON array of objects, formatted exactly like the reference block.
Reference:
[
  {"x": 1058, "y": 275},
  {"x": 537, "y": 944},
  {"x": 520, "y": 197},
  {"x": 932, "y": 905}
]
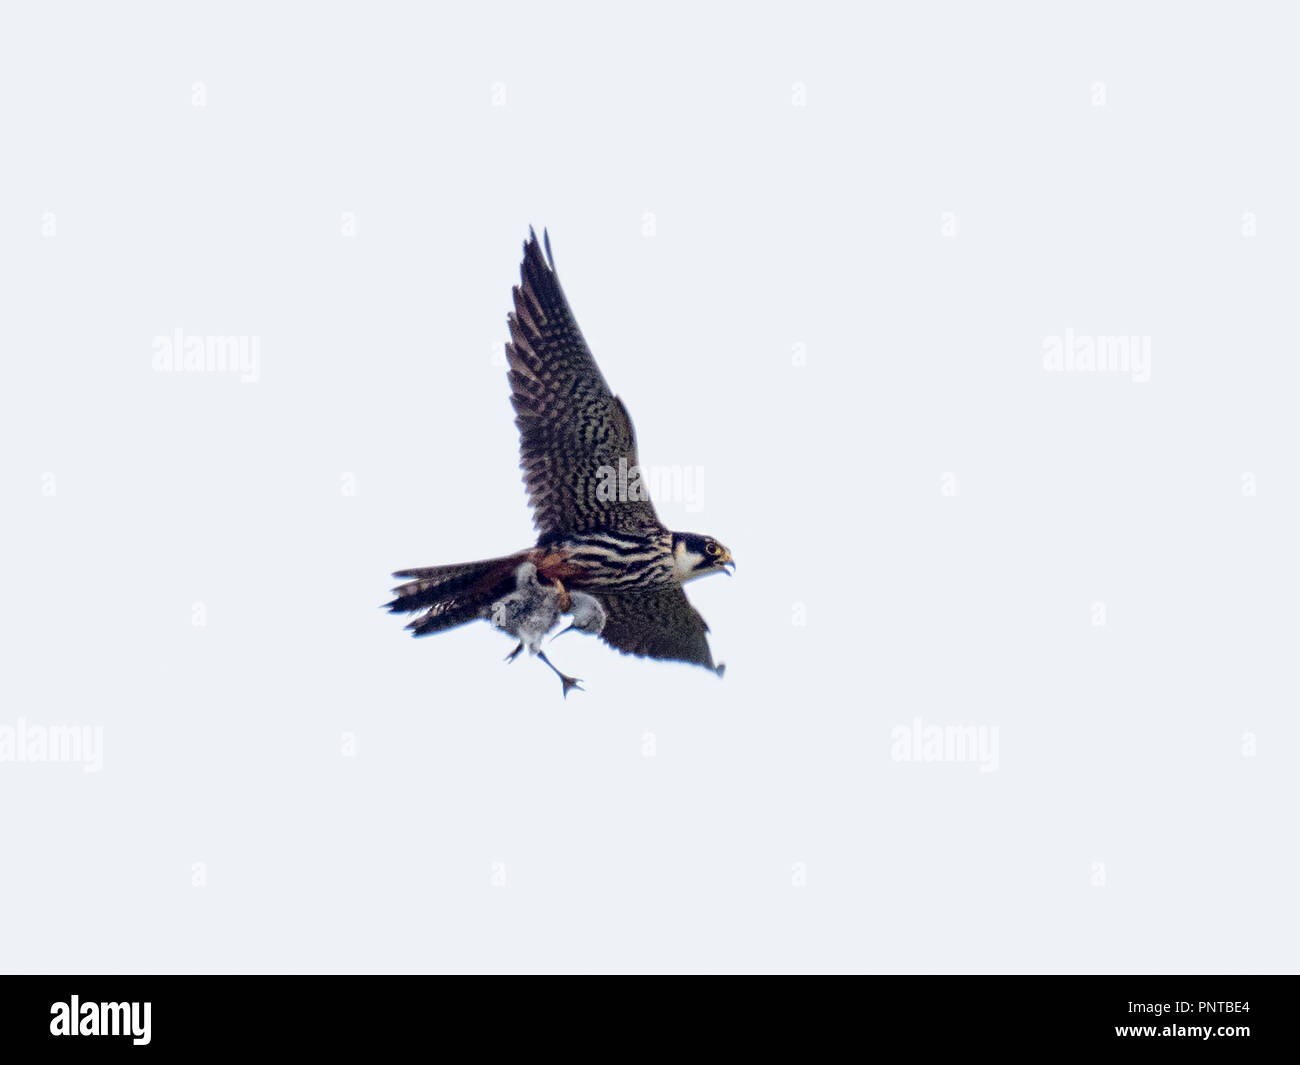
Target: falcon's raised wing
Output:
[{"x": 573, "y": 431}]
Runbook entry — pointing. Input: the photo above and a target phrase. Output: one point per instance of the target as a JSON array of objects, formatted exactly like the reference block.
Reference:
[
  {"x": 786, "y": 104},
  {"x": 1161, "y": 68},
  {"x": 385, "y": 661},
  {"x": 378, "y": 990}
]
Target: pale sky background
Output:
[{"x": 820, "y": 251}]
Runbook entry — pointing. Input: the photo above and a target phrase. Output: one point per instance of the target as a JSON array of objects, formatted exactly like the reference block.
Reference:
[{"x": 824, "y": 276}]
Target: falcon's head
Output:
[{"x": 697, "y": 556}]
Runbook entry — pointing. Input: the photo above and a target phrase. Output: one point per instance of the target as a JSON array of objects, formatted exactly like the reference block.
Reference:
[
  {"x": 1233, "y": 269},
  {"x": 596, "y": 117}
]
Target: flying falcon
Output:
[{"x": 602, "y": 555}]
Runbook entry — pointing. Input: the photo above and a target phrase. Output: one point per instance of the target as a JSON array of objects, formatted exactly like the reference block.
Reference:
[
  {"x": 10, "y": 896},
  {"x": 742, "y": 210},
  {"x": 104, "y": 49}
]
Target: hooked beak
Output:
[{"x": 727, "y": 564}]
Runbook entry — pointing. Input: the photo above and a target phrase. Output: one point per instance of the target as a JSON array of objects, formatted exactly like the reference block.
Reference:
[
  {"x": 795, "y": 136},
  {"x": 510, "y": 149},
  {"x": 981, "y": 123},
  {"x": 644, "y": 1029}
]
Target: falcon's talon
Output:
[{"x": 607, "y": 561}]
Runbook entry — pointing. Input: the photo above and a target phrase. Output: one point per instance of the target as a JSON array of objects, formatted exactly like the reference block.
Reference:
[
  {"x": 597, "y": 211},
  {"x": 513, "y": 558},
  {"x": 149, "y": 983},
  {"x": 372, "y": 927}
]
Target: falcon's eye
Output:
[{"x": 711, "y": 548}]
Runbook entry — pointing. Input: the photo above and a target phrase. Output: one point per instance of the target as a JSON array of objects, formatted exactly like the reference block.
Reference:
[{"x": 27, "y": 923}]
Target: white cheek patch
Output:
[{"x": 685, "y": 561}]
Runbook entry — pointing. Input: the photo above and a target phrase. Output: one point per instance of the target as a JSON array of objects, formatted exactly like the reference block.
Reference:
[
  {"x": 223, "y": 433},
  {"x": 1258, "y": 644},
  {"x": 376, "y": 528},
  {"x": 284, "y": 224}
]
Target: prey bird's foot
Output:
[
  {"x": 515, "y": 653},
  {"x": 567, "y": 681}
]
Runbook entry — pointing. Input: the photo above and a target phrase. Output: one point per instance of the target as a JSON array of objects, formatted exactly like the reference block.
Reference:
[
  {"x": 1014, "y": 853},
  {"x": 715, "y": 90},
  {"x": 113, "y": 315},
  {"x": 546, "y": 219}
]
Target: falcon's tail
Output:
[{"x": 453, "y": 595}]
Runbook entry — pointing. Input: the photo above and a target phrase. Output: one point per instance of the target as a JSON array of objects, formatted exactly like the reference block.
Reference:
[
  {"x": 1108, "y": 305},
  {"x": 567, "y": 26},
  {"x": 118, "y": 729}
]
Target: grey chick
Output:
[
  {"x": 587, "y": 614},
  {"x": 529, "y": 613}
]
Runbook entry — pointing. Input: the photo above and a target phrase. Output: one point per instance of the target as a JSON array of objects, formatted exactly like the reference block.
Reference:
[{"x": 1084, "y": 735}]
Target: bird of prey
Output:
[{"x": 602, "y": 554}]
